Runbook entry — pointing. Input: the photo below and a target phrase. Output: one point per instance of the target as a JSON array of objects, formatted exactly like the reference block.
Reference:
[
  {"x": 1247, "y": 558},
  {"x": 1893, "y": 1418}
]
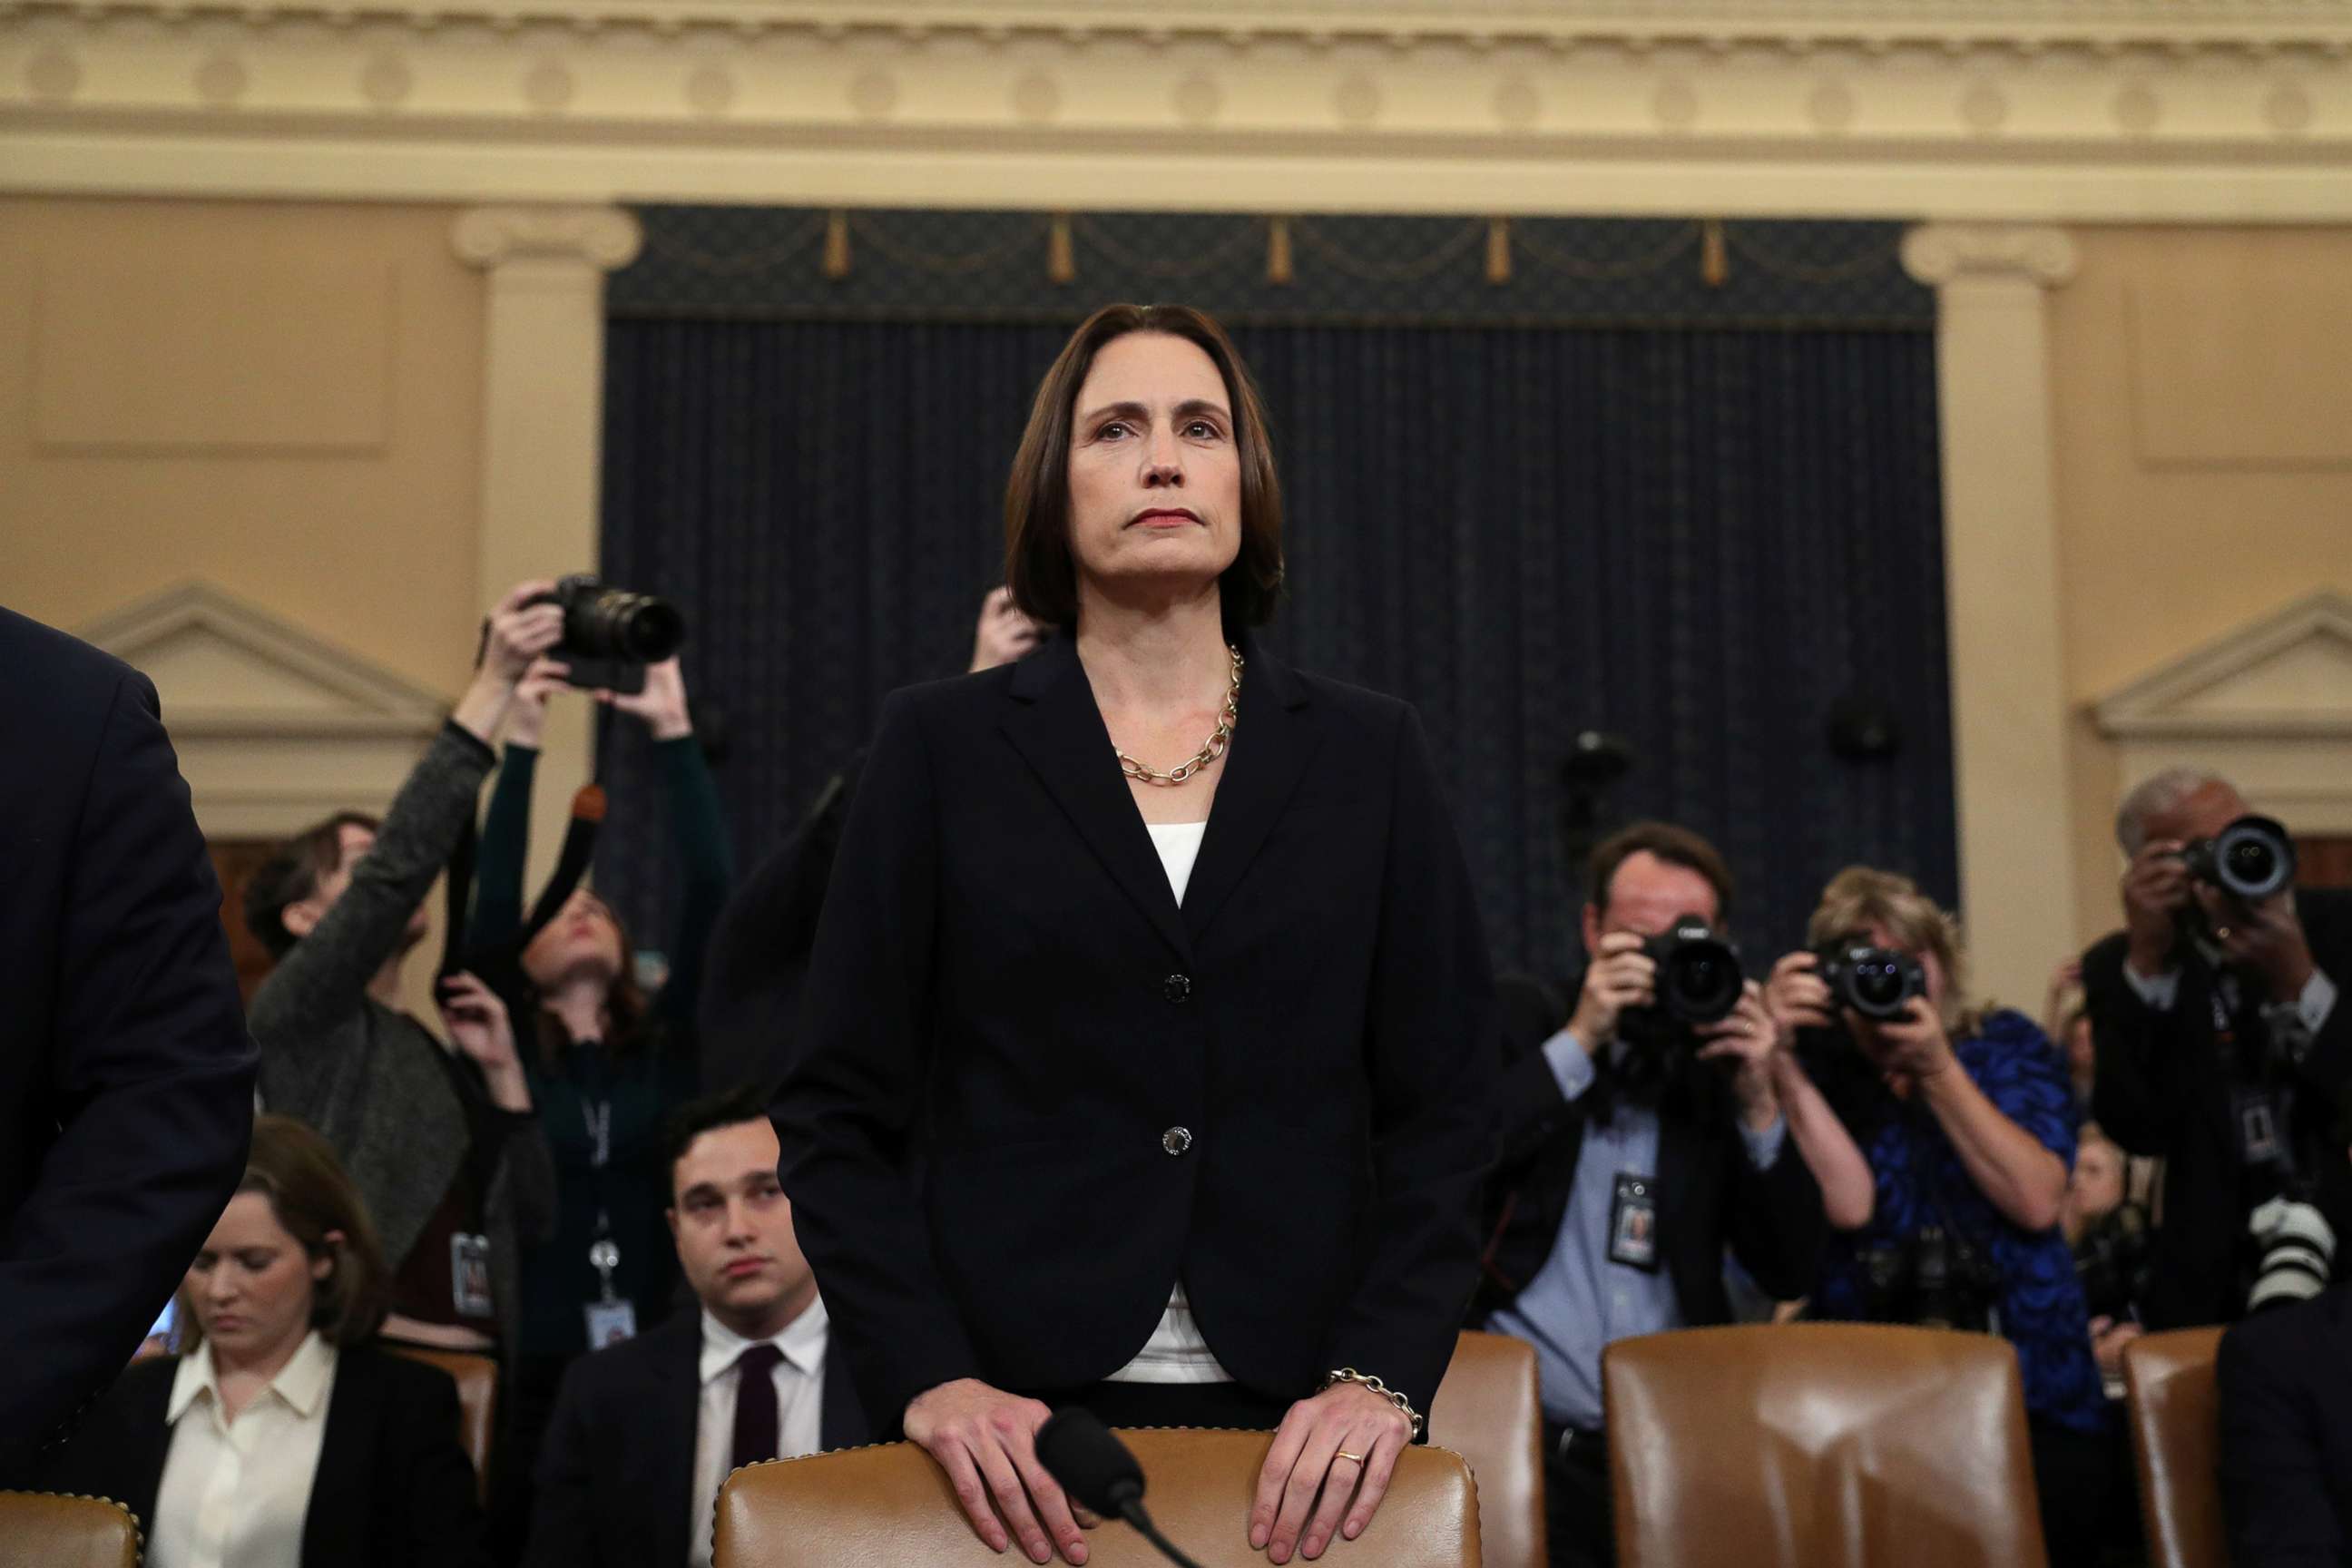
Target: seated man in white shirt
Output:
[{"x": 646, "y": 1432}]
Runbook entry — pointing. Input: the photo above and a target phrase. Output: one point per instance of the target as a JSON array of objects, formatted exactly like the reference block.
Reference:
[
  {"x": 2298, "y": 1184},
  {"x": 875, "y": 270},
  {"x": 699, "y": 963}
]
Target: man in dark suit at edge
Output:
[{"x": 126, "y": 1075}]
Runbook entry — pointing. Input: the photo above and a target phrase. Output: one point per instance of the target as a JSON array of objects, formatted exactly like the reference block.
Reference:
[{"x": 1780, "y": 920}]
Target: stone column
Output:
[
  {"x": 2001, "y": 556},
  {"x": 542, "y": 424}
]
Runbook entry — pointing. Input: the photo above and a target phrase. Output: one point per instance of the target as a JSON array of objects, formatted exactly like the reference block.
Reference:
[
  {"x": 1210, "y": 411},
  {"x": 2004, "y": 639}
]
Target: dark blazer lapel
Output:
[
  {"x": 337, "y": 1526},
  {"x": 2192, "y": 1005},
  {"x": 1682, "y": 1169},
  {"x": 147, "y": 1442},
  {"x": 842, "y": 1422},
  {"x": 1052, "y": 720},
  {"x": 672, "y": 1418},
  {"x": 1273, "y": 744}
]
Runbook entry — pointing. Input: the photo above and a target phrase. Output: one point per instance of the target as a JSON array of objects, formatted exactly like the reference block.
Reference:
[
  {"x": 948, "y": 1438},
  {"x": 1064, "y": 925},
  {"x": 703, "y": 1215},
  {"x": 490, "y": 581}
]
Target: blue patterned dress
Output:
[{"x": 1920, "y": 1182}]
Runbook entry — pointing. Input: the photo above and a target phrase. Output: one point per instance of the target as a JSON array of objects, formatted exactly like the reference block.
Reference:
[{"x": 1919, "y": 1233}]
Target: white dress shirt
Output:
[
  {"x": 1176, "y": 1352},
  {"x": 233, "y": 1494},
  {"x": 800, "y": 1409},
  {"x": 2312, "y": 1005}
]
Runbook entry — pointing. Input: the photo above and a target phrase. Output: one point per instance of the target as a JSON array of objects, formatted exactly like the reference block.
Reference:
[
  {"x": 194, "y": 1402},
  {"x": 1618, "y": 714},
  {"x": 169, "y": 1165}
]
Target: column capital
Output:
[
  {"x": 605, "y": 238},
  {"x": 1940, "y": 253}
]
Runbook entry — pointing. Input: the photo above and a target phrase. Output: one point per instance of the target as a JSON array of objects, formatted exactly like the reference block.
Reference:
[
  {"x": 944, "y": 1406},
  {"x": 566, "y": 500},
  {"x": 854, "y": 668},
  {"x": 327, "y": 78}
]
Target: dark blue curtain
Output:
[{"x": 1698, "y": 537}]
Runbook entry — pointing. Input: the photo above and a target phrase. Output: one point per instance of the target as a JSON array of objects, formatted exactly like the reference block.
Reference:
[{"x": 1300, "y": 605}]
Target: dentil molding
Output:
[{"x": 2022, "y": 109}]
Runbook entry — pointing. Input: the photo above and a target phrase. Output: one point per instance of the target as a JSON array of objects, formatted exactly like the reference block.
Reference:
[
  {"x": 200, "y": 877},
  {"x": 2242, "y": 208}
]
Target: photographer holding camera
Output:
[
  {"x": 443, "y": 1142},
  {"x": 1639, "y": 1141},
  {"x": 1968, "y": 1121},
  {"x": 2221, "y": 1046}
]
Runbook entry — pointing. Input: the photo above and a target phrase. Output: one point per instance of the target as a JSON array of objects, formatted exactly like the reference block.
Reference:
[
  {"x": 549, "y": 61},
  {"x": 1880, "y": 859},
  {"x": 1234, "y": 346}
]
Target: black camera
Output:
[
  {"x": 1935, "y": 1280},
  {"x": 2251, "y": 860},
  {"x": 1876, "y": 982},
  {"x": 1699, "y": 979},
  {"x": 610, "y": 634},
  {"x": 2112, "y": 1262}
]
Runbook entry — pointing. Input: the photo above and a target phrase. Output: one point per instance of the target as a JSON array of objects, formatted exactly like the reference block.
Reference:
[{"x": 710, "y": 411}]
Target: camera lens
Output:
[
  {"x": 1705, "y": 981},
  {"x": 2250, "y": 861},
  {"x": 1878, "y": 982}
]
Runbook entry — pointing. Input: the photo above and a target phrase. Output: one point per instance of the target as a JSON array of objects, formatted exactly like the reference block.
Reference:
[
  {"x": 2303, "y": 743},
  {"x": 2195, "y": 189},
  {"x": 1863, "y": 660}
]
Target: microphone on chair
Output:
[{"x": 1093, "y": 1467}]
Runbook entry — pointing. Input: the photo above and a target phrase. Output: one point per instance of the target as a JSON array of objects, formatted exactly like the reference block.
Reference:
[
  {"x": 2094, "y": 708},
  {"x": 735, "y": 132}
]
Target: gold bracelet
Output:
[{"x": 1349, "y": 1375}]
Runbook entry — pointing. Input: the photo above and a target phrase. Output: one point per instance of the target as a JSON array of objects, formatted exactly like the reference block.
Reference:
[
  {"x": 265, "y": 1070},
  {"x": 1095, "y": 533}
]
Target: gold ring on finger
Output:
[{"x": 1343, "y": 1454}]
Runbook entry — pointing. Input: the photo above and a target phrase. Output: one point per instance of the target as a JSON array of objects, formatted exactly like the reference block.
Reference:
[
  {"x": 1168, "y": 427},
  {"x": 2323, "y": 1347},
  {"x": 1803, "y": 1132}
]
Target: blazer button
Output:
[
  {"x": 1176, "y": 1140},
  {"x": 1177, "y": 988}
]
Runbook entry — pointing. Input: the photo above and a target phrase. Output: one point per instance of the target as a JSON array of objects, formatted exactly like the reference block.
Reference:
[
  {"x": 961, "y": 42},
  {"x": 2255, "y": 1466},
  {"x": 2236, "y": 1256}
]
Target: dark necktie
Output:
[{"x": 755, "y": 1404}]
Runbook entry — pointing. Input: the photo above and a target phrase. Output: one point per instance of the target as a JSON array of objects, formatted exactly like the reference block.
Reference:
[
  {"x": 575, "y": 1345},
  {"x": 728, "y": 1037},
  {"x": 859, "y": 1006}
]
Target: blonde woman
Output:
[{"x": 1967, "y": 1118}]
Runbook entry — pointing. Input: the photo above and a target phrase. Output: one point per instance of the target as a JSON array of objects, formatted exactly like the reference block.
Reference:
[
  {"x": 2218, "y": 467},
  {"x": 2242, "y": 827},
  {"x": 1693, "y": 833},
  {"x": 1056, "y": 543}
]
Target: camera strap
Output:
[{"x": 2260, "y": 1100}]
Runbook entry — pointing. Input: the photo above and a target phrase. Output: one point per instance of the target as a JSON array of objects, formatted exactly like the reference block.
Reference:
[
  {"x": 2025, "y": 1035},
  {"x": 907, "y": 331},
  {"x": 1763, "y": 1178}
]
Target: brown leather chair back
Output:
[
  {"x": 46, "y": 1529},
  {"x": 2175, "y": 1427},
  {"x": 1489, "y": 1411},
  {"x": 890, "y": 1506},
  {"x": 477, "y": 1377},
  {"x": 1819, "y": 1445}
]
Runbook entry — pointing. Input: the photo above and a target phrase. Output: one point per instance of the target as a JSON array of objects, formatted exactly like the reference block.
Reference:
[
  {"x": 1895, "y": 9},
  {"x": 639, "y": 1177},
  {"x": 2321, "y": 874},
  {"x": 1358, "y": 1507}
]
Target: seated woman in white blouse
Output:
[{"x": 282, "y": 1436}]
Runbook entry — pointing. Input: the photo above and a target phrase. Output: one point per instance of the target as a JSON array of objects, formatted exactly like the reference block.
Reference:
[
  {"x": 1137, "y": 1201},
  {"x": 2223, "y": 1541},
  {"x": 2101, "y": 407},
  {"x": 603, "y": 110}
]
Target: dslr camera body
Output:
[
  {"x": 1879, "y": 982},
  {"x": 1699, "y": 977},
  {"x": 1933, "y": 1278},
  {"x": 610, "y": 634}
]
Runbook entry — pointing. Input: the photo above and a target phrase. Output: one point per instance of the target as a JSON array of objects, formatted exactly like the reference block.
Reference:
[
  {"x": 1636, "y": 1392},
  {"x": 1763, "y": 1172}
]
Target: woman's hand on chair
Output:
[
  {"x": 1343, "y": 1443},
  {"x": 986, "y": 1441}
]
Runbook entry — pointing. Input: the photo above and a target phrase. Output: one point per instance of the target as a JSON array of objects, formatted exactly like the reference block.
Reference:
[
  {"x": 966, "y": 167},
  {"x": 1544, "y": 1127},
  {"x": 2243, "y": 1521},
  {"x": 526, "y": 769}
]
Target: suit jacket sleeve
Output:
[
  {"x": 857, "y": 1085},
  {"x": 1777, "y": 1226},
  {"x": 431, "y": 1475},
  {"x": 316, "y": 985},
  {"x": 563, "y": 1511},
  {"x": 2274, "y": 1480},
  {"x": 1528, "y": 1108},
  {"x": 1433, "y": 1067},
  {"x": 152, "y": 1075},
  {"x": 2328, "y": 927},
  {"x": 2137, "y": 1095}
]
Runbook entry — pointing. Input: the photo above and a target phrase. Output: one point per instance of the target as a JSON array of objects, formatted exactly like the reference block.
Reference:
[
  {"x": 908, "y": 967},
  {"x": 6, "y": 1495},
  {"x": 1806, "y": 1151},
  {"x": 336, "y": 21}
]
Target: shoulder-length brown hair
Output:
[
  {"x": 629, "y": 1021},
  {"x": 311, "y": 1195},
  {"x": 1038, "y": 565}
]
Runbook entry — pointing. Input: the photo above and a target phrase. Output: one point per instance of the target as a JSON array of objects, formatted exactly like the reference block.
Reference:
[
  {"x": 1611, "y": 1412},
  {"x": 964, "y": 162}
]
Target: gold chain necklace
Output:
[{"x": 1206, "y": 755}]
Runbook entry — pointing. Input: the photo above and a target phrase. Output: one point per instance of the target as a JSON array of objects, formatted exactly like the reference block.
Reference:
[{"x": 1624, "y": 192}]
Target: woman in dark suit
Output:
[
  {"x": 280, "y": 1437},
  {"x": 1144, "y": 1046}
]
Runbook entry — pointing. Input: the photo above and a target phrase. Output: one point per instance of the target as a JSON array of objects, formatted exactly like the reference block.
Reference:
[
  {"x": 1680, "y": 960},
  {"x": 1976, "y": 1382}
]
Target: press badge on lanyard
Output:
[
  {"x": 469, "y": 1275},
  {"x": 610, "y": 1319},
  {"x": 1633, "y": 1223},
  {"x": 2253, "y": 1108}
]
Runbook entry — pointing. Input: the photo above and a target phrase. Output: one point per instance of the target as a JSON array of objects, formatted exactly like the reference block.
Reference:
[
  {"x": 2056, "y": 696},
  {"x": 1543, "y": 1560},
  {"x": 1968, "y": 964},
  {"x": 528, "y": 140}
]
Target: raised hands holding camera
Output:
[
  {"x": 1745, "y": 1043},
  {"x": 1621, "y": 976},
  {"x": 2265, "y": 936},
  {"x": 661, "y": 705},
  {"x": 518, "y": 632}
]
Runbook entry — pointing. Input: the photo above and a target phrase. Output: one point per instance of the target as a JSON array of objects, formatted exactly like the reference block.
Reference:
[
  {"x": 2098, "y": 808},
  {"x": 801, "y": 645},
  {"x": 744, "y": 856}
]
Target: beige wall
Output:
[
  {"x": 2202, "y": 405},
  {"x": 286, "y": 399},
  {"x": 282, "y": 398}
]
